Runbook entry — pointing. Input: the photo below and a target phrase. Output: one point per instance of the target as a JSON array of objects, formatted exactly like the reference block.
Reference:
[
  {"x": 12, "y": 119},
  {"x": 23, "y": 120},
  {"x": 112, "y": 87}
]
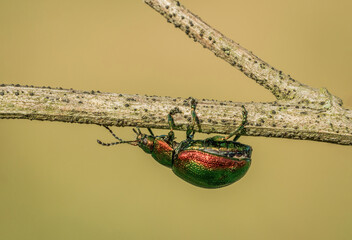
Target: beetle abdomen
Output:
[{"x": 208, "y": 170}]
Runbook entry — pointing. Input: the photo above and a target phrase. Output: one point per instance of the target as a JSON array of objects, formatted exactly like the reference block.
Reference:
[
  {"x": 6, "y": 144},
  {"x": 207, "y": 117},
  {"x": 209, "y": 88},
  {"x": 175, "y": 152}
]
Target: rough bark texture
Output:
[
  {"x": 300, "y": 112},
  {"x": 282, "y": 86},
  {"x": 276, "y": 119}
]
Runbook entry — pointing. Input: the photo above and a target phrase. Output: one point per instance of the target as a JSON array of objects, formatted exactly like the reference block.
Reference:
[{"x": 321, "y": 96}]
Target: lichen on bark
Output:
[{"x": 300, "y": 111}]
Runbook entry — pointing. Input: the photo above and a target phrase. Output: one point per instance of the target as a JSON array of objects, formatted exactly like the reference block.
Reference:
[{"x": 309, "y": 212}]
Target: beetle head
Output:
[{"x": 144, "y": 141}]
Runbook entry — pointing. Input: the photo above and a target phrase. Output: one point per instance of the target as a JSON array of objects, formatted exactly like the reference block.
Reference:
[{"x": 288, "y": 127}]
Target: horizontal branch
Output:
[
  {"x": 275, "y": 119},
  {"x": 301, "y": 112}
]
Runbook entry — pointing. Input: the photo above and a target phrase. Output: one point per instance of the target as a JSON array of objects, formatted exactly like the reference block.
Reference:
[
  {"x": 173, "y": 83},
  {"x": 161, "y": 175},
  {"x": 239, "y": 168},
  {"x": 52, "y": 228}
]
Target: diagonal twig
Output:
[{"x": 300, "y": 112}]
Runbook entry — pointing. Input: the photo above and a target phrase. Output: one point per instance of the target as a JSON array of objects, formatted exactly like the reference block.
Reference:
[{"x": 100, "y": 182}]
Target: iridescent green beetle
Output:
[{"x": 210, "y": 163}]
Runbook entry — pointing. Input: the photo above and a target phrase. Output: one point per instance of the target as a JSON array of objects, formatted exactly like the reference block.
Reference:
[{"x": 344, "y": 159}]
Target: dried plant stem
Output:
[
  {"x": 300, "y": 112},
  {"x": 282, "y": 86},
  {"x": 276, "y": 119}
]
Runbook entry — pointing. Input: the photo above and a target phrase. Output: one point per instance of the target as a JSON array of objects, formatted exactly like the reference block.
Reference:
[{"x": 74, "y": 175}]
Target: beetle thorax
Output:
[
  {"x": 158, "y": 147},
  {"x": 163, "y": 151}
]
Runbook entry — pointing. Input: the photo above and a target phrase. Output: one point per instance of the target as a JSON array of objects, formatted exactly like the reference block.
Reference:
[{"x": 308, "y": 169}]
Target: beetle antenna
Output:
[
  {"x": 112, "y": 133},
  {"x": 139, "y": 131},
  {"x": 134, "y": 143},
  {"x": 135, "y": 131}
]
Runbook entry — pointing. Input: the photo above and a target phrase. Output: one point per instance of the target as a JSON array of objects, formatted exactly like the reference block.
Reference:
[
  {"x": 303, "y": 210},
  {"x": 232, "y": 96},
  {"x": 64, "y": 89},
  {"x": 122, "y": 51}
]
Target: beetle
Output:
[{"x": 209, "y": 163}]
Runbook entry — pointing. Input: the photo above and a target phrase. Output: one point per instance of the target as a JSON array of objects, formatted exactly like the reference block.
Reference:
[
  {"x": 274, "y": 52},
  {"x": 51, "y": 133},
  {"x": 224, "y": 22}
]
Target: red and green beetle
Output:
[{"x": 210, "y": 163}]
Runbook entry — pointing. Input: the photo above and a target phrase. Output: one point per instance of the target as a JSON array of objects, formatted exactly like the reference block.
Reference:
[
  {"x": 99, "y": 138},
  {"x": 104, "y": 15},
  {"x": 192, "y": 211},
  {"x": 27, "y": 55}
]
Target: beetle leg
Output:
[
  {"x": 171, "y": 122},
  {"x": 170, "y": 137},
  {"x": 170, "y": 119},
  {"x": 195, "y": 119},
  {"x": 217, "y": 138},
  {"x": 240, "y": 130},
  {"x": 190, "y": 132},
  {"x": 150, "y": 131}
]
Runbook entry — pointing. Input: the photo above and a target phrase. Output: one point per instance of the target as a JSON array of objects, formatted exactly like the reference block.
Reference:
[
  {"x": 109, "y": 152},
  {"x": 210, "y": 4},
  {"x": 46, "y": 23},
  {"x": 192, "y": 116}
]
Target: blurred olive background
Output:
[{"x": 56, "y": 182}]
